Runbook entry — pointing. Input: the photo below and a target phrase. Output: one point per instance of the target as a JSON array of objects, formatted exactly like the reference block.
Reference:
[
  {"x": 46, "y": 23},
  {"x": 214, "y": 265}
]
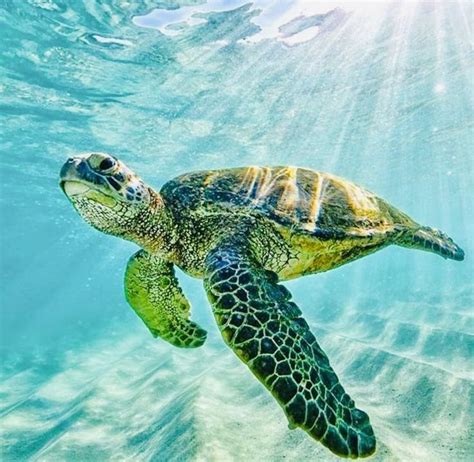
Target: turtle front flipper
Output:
[
  {"x": 153, "y": 291},
  {"x": 265, "y": 329}
]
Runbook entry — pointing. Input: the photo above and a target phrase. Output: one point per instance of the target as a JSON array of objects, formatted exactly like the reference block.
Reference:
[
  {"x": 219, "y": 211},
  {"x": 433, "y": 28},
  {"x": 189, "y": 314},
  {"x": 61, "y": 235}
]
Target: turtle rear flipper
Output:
[
  {"x": 266, "y": 331},
  {"x": 153, "y": 291},
  {"x": 431, "y": 240}
]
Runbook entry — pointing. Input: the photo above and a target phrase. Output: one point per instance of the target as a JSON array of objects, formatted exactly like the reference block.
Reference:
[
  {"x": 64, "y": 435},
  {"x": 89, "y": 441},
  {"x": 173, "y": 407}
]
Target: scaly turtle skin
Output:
[{"x": 243, "y": 231}]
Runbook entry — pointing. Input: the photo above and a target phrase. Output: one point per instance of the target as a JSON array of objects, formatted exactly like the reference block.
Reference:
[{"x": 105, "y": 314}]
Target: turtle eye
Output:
[{"x": 107, "y": 163}]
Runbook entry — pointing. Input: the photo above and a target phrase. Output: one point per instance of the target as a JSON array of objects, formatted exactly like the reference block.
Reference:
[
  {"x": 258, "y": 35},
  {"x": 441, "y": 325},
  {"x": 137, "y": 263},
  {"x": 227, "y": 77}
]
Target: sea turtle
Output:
[{"x": 243, "y": 230}]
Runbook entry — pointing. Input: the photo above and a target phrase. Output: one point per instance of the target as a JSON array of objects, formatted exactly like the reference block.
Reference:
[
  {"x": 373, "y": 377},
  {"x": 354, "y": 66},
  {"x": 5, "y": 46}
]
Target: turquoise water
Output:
[{"x": 379, "y": 94}]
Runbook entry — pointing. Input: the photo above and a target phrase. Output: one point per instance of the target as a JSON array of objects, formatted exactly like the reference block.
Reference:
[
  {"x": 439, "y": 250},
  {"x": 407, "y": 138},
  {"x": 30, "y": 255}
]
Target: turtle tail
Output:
[{"x": 430, "y": 240}]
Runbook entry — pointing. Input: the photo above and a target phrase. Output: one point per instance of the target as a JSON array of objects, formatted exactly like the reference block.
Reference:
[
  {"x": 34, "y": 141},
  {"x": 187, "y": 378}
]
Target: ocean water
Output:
[{"x": 380, "y": 93}]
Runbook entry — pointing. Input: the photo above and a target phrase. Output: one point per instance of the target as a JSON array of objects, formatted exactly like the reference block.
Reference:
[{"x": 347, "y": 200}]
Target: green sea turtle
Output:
[{"x": 243, "y": 230}]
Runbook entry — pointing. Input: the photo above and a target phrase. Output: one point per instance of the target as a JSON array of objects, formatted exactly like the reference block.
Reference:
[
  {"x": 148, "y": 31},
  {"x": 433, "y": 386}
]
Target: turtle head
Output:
[{"x": 106, "y": 193}]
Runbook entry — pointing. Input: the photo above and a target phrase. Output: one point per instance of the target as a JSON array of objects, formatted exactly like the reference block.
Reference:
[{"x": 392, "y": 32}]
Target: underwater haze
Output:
[{"x": 380, "y": 93}]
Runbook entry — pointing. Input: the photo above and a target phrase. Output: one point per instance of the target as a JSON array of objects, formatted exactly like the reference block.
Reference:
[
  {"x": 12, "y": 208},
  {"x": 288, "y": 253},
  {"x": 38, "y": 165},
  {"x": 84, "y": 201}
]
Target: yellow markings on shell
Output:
[
  {"x": 315, "y": 204},
  {"x": 264, "y": 187},
  {"x": 264, "y": 181},
  {"x": 250, "y": 177},
  {"x": 210, "y": 177},
  {"x": 290, "y": 195},
  {"x": 259, "y": 183},
  {"x": 362, "y": 202},
  {"x": 262, "y": 176}
]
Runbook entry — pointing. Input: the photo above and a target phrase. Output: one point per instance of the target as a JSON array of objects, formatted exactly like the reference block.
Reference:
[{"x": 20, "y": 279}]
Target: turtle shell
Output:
[{"x": 309, "y": 202}]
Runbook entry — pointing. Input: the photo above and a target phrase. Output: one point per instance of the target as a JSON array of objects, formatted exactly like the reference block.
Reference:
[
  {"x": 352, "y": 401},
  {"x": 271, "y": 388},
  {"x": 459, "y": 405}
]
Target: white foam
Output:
[{"x": 272, "y": 15}]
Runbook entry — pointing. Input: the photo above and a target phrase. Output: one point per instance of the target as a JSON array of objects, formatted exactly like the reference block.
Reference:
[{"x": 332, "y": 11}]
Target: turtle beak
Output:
[
  {"x": 71, "y": 177},
  {"x": 69, "y": 169}
]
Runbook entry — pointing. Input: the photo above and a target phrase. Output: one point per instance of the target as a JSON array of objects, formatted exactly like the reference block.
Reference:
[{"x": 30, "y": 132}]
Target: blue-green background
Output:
[{"x": 383, "y": 97}]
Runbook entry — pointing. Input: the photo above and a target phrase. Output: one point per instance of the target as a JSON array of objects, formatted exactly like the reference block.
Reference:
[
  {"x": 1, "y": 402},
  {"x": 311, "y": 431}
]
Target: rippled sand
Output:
[{"x": 132, "y": 397}]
